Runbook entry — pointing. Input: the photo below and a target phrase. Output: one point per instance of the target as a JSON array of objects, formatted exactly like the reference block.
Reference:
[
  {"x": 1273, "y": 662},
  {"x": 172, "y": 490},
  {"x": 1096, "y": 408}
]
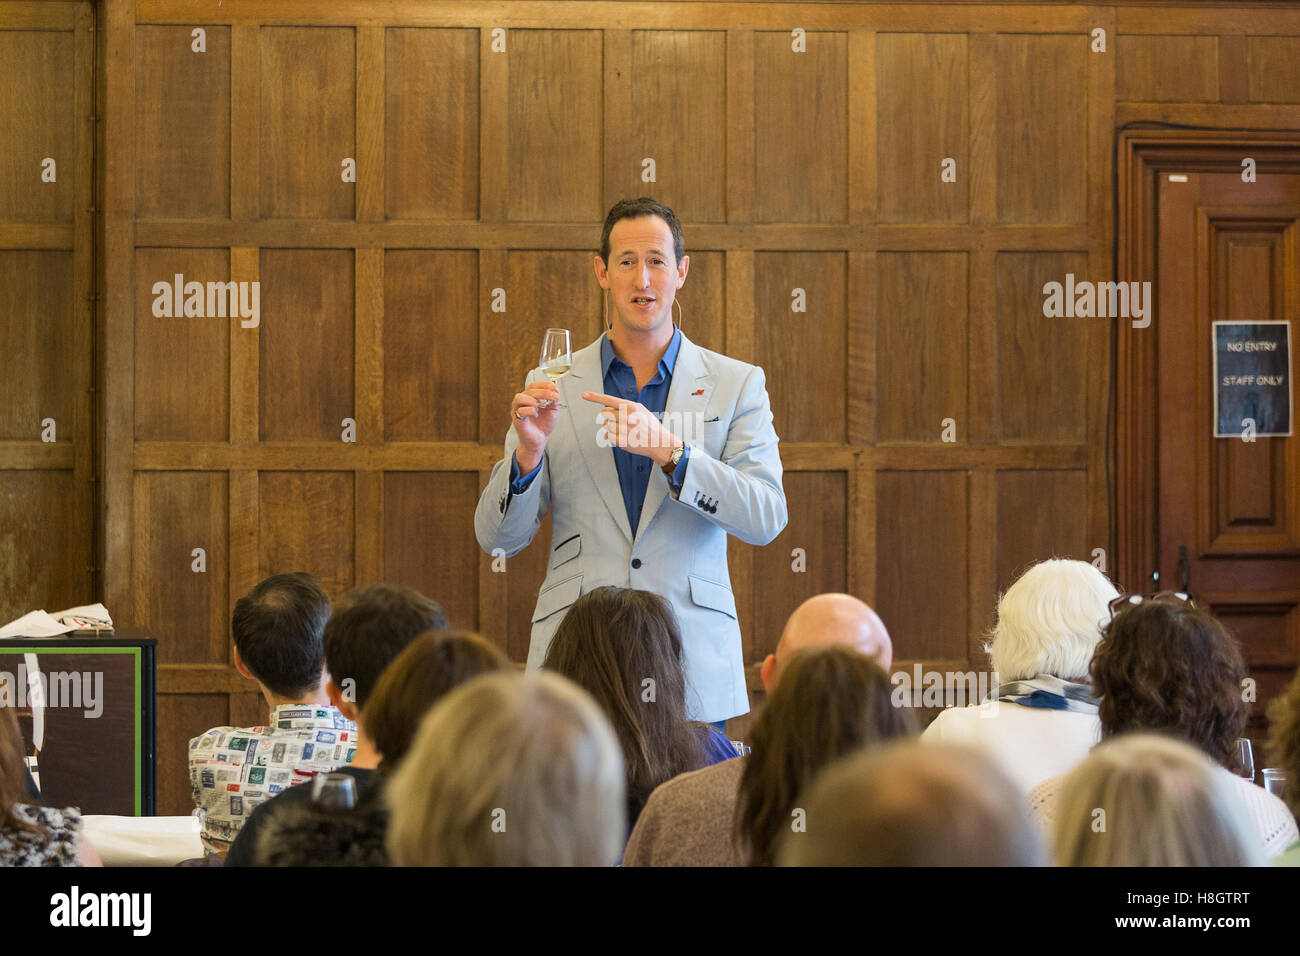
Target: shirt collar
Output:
[{"x": 666, "y": 363}]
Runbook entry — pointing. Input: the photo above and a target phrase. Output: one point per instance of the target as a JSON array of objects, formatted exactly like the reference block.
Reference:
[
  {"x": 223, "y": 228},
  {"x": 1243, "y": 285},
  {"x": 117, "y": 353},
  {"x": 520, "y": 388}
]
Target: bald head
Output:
[{"x": 832, "y": 619}]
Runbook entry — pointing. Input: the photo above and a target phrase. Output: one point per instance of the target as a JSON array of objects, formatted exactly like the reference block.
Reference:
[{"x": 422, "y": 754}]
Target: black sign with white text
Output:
[{"x": 1252, "y": 379}]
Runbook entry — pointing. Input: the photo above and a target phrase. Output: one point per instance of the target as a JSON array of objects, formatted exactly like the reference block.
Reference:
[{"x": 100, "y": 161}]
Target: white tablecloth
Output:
[{"x": 144, "y": 841}]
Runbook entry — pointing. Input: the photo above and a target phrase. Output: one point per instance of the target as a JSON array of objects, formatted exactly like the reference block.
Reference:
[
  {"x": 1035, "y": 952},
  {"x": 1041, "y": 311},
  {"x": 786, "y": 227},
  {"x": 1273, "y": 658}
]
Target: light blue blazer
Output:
[{"x": 719, "y": 406}]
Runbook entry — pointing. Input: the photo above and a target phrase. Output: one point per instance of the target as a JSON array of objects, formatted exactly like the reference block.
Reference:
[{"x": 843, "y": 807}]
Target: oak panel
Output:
[
  {"x": 555, "y": 125},
  {"x": 1273, "y": 67},
  {"x": 678, "y": 81},
  {"x": 37, "y": 123},
  {"x": 801, "y": 128},
  {"x": 45, "y": 543},
  {"x": 1167, "y": 69},
  {"x": 922, "y": 118},
  {"x": 181, "y": 718},
  {"x": 306, "y": 343},
  {"x": 38, "y": 320},
  {"x": 701, "y": 301},
  {"x": 182, "y": 122},
  {"x": 1042, "y": 132},
  {"x": 1042, "y": 361},
  {"x": 804, "y": 352},
  {"x": 429, "y": 539},
  {"x": 818, "y": 529},
  {"x": 1041, "y": 515},
  {"x": 308, "y": 121},
  {"x": 305, "y": 523},
  {"x": 182, "y": 363},
  {"x": 431, "y": 345},
  {"x": 921, "y": 363},
  {"x": 921, "y": 570},
  {"x": 431, "y": 111},
  {"x": 186, "y": 609}
]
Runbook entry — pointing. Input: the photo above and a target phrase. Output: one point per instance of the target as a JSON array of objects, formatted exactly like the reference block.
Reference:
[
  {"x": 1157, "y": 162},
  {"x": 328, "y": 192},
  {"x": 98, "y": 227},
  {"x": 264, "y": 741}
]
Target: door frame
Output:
[{"x": 1141, "y": 156}]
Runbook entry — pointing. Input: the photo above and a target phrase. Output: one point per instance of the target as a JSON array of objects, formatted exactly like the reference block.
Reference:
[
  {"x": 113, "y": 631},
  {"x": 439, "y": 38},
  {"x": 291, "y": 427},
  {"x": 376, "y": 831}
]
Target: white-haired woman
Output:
[
  {"x": 1148, "y": 800},
  {"x": 1042, "y": 719},
  {"x": 510, "y": 770}
]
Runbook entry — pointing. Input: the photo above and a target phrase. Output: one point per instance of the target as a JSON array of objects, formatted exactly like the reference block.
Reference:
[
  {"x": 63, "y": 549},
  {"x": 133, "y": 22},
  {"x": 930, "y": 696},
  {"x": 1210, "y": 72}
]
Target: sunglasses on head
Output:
[{"x": 1126, "y": 601}]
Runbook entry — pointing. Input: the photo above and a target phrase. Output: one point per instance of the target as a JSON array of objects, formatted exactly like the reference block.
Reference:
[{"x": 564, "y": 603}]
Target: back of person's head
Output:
[
  {"x": 1050, "y": 620},
  {"x": 510, "y": 770},
  {"x": 826, "y": 619},
  {"x": 1166, "y": 666},
  {"x": 908, "y": 804},
  {"x": 622, "y": 646},
  {"x": 1149, "y": 800},
  {"x": 13, "y": 763},
  {"x": 369, "y": 627},
  {"x": 429, "y": 668},
  {"x": 830, "y": 702},
  {"x": 1284, "y": 741},
  {"x": 277, "y": 627}
]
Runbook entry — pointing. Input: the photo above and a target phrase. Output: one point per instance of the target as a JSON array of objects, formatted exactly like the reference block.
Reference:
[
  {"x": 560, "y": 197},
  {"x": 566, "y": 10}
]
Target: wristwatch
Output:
[{"x": 674, "y": 459}]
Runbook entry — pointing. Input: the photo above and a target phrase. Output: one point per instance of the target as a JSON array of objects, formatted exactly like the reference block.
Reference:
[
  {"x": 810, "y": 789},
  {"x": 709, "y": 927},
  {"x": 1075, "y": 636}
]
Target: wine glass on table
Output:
[
  {"x": 1245, "y": 759},
  {"x": 556, "y": 361}
]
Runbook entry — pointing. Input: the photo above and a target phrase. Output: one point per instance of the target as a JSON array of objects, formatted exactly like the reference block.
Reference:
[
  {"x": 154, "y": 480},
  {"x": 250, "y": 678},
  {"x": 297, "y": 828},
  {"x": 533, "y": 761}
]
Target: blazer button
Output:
[{"x": 636, "y": 563}]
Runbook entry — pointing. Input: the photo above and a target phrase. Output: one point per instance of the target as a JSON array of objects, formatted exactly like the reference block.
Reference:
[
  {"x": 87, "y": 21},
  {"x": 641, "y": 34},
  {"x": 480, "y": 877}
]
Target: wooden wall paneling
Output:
[
  {"x": 1156, "y": 68},
  {"x": 494, "y": 128},
  {"x": 861, "y": 394},
  {"x": 37, "y": 124},
  {"x": 924, "y": 103},
  {"x": 493, "y": 593},
  {"x": 39, "y": 309},
  {"x": 84, "y": 295},
  {"x": 1041, "y": 362},
  {"x": 800, "y": 113},
  {"x": 370, "y": 124},
  {"x": 741, "y": 166},
  {"x": 981, "y": 561},
  {"x": 675, "y": 112},
  {"x": 182, "y": 171},
  {"x": 44, "y": 550},
  {"x": 180, "y": 719},
  {"x": 186, "y": 609},
  {"x": 182, "y": 363},
  {"x": 308, "y": 119},
  {"x": 702, "y": 302},
  {"x": 428, "y": 532},
  {"x": 431, "y": 345},
  {"x": 1038, "y": 517},
  {"x": 555, "y": 125},
  {"x": 921, "y": 345},
  {"x": 982, "y": 395},
  {"x": 245, "y": 123},
  {"x": 306, "y": 343},
  {"x": 922, "y": 585},
  {"x": 1273, "y": 68},
  {"x": 984, "y": 134},
  {"x": 496, "y": 338},
  {"x": 622, "y": 132},
  {"x": 1041, "y": 100},
  {"x": 805, "y": 350},
  {"x": 368, "y": 347},
  {"x": 864, "y": 108},
  {"x": 306, "y": 523},
  {"x": 431, "y": 127}
]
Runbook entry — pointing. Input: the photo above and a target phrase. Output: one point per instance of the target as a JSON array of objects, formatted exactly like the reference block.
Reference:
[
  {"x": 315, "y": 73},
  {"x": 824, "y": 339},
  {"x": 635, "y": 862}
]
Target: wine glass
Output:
[
  {"x": 1245, "y": 759},
  {"x": 557, "y": 360}
]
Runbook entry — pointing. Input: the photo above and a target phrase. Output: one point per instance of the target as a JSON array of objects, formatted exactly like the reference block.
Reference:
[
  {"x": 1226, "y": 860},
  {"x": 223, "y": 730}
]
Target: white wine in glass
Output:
[{"x": 557, "y": 359}]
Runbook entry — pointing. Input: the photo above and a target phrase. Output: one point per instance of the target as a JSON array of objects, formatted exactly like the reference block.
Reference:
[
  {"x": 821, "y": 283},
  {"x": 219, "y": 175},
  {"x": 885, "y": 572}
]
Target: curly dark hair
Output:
[
  {"x": 1284, "y": 740},
  {"x": 1167, "y": 666}
]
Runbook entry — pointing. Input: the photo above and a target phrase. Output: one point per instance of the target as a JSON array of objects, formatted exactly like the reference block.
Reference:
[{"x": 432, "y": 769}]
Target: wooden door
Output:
[{"x": 1229, "y": 508}]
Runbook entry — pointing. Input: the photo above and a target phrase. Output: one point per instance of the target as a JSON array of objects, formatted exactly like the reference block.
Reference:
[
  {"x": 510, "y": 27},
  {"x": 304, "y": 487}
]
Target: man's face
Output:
[{"x": 642, "y": 275}]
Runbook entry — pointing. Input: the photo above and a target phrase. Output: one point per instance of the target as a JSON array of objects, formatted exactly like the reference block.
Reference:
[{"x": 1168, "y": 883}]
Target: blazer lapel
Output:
[
  {"x": 688, "y": 400},
  {"x": 586, "y": 377}
]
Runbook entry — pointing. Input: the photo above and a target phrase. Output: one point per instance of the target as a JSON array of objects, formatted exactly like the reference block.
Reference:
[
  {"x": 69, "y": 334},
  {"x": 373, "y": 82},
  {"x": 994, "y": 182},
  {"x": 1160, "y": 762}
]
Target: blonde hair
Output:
[
  {"x": 1050, "y": 621},
  {"x": 1148, "y": 800},
  {"x": 510, "y": 770}
]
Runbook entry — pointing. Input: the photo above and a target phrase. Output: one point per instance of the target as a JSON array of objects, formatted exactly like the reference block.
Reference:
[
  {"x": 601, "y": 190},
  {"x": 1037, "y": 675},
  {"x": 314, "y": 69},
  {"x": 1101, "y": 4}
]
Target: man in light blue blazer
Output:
[{"x": 658, "y": 450}]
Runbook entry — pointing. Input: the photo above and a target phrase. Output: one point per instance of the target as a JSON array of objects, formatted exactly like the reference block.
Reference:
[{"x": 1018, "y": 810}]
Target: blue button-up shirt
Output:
[{"x": 633, "y": 470}]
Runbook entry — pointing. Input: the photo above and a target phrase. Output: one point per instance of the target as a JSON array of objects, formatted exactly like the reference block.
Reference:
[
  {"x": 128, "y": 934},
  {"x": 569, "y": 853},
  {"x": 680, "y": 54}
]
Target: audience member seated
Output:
[
  {"x": 622, "y": 646},
  {"x": 831, "y": 701},
  {"x": 510, "y": 770},
  {"x": 1284, "y": 753},
  {"x": 688, "y": 821},
  {"x": 1044, "y": 718},
  {"x": 1164, "y": 666},
  {"x": 366, "y": 632},
  {"x": 909, "y": 804},
  {"x": 1149, "y": 800},
  {"x": 430, "y": 667},
  {"x": 277, "y": 633},
  {"x": 32, "y": 835}
]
